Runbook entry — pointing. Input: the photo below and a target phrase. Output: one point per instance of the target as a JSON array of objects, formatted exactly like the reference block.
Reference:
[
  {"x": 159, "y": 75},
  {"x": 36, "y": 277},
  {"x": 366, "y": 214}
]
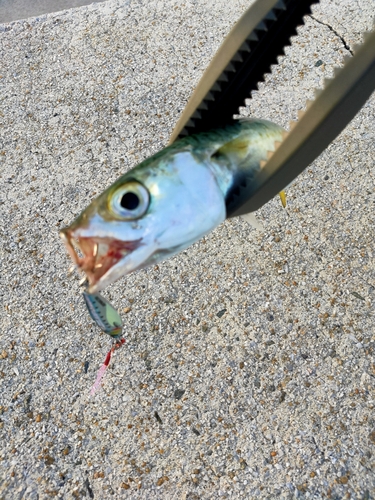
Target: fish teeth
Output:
[
  {"x": 72, "y": 269},
  {"x": 83, "y": 281}
]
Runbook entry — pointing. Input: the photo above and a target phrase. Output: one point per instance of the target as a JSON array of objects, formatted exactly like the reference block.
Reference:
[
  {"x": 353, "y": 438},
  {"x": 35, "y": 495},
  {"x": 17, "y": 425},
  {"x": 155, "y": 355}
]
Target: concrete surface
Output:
[
  {"x": 11, "y": 10},
  {"x": 249, "y": 365}
]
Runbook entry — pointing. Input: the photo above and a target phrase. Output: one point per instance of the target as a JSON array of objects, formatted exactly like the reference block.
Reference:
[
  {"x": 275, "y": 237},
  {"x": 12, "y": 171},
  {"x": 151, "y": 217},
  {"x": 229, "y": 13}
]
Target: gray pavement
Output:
[
  {"x": 11, "y": 10},
  {"x": 249, "y": 367}
]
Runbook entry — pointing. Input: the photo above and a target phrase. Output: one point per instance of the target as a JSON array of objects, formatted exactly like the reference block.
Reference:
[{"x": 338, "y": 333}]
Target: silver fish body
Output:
[{"x": 169, "y": 201}]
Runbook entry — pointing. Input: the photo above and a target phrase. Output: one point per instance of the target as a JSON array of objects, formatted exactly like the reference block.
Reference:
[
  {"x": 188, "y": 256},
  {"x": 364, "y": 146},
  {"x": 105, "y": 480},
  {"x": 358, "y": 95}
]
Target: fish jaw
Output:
[
  {"x": 101, "y": 255},
  {"x": 131, "y": 262}
]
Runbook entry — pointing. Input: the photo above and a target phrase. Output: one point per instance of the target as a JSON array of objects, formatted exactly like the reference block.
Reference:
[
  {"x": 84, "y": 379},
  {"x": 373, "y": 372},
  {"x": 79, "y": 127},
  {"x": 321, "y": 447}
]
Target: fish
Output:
[{"x": 169, "y": 201}]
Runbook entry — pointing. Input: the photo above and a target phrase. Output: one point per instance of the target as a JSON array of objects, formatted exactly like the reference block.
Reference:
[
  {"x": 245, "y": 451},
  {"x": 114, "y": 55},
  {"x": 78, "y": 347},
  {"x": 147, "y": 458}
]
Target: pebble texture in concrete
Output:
[{"x": 249, "y": 366}]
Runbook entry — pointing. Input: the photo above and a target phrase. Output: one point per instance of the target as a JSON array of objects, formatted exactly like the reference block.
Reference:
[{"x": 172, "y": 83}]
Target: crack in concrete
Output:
[{"x": 335, "y": 32}]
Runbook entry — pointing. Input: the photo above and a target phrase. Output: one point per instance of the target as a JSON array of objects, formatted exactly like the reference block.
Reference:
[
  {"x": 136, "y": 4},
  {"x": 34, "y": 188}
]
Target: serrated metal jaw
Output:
[
  {"x": 318, "y": 124},
  {"x": 246, "y": 55}
]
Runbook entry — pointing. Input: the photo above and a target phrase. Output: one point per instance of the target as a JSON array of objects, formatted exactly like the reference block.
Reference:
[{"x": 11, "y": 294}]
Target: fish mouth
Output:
[{"x": 99, "y": 254}]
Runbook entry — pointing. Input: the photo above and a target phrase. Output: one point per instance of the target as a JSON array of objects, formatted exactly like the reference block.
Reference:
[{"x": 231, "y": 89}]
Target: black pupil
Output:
[{"x": 130, "y": 201}]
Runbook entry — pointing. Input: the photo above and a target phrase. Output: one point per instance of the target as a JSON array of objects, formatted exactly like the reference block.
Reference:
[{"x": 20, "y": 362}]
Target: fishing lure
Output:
[
  {"x": 104, "y": 314},
  {"x": 109, "y": 320},
  {"x": 104, "y": 366}
]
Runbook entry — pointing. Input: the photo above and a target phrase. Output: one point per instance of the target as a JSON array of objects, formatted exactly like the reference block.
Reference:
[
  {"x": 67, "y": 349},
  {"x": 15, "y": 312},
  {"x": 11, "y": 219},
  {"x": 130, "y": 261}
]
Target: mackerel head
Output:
[{"x": 169, "y": 201}]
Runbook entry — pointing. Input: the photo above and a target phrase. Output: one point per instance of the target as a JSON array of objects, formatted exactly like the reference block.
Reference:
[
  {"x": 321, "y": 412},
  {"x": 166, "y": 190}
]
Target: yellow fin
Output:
[
  {"x": 237, "y": 148},
  {"x": 282, "y": 195}
]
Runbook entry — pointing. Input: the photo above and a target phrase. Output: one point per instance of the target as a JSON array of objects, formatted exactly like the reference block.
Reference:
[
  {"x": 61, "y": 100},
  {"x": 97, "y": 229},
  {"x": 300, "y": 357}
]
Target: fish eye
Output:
[{"x": 129, "y": 201}]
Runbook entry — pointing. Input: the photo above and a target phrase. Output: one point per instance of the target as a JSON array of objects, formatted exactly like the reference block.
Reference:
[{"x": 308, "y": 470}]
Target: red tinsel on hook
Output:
[{"x": 104, "y": 366}]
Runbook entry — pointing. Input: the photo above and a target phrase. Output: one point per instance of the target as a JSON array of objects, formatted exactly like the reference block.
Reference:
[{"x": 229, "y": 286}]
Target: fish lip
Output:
[{"x": 99, "y": 254}]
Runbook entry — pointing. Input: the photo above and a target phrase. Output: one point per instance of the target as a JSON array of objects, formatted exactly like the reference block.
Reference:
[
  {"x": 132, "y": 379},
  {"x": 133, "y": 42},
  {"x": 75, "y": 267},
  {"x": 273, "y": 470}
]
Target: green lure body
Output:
[{"x": 104, "y": 314}]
